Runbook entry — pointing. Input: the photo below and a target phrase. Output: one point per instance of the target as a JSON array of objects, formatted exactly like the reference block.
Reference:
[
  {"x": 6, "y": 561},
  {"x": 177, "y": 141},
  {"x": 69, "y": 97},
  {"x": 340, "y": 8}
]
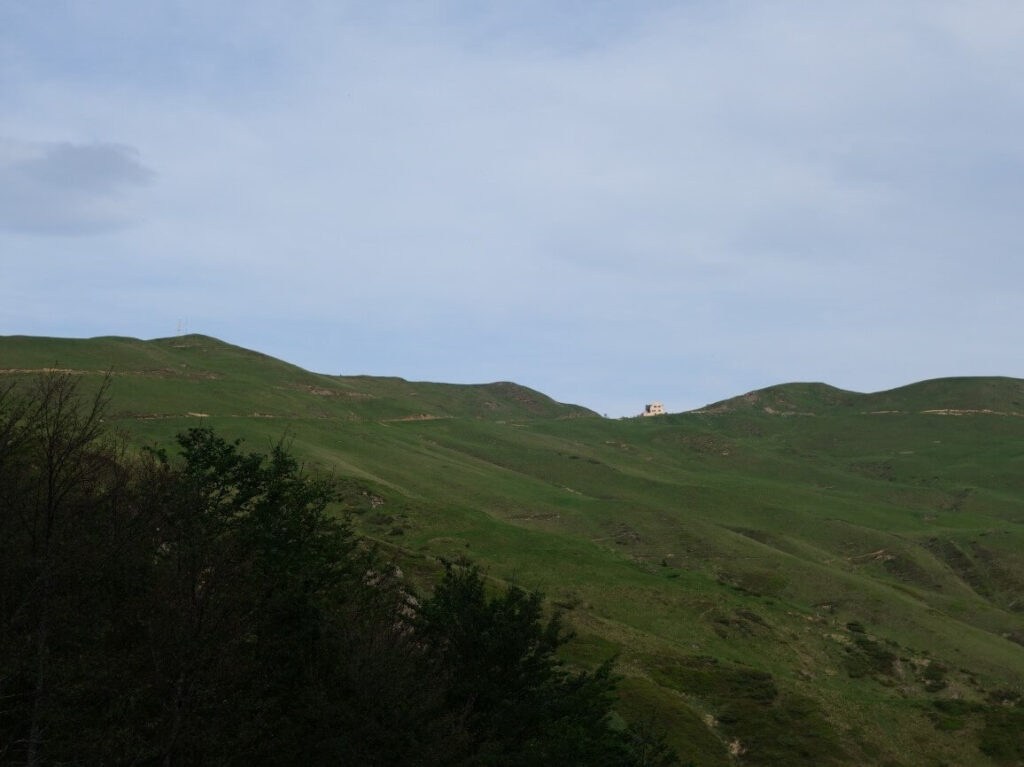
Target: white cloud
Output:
[{"x": 67, "y": 189}]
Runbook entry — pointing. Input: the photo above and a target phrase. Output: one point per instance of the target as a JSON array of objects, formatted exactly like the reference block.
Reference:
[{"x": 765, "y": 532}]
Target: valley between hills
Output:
[{"x": 795, "y": 576}]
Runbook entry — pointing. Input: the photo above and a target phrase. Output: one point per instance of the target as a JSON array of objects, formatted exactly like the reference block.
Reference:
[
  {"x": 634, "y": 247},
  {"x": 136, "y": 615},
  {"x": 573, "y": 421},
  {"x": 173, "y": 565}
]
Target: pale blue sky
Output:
[{"x": 611, "y": 202}]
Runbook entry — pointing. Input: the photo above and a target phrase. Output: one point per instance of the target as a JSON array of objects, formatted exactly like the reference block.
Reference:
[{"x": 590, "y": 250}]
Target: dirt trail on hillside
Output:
[
  {"x": 151, "y": 373},
  {"x": 69, "y": 371}
]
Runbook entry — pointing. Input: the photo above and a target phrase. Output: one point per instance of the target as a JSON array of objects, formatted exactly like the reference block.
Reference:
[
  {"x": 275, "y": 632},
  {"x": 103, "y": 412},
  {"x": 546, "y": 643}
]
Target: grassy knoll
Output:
[{"x": 800, "y": 575}]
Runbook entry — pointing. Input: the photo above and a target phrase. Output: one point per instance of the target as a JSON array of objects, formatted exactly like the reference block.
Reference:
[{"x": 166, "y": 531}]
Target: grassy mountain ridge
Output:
[
  {"x": 196, "y": 373},
  {"x": 952, "y": 396},
  {"x": 843, "y": 588}
]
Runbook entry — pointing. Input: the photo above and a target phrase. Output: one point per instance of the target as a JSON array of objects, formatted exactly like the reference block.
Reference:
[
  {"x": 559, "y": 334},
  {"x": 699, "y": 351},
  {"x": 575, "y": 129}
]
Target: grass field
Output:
[{"x": 800, "y": 575}]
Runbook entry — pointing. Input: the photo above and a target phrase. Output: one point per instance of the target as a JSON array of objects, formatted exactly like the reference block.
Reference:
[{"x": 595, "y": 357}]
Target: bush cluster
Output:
[{"x": 206, "y": 609}]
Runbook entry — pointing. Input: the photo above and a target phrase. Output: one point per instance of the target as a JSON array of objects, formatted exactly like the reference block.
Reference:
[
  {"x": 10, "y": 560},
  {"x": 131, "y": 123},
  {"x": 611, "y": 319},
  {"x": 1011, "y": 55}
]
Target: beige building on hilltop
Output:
[{"x": 655, "y": 408}]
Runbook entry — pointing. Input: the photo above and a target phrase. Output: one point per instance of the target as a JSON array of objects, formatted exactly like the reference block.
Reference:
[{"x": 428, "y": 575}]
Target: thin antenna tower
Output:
[{"x": 179, "y": 327}]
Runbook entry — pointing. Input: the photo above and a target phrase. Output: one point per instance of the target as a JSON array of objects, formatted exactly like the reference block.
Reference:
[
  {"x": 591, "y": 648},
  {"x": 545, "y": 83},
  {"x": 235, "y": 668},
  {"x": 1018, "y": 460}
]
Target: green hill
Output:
[
  {"x": 171, "y": 377},
  {"x": 843, "y": 585},
  {"x": 948, "y": 396}
]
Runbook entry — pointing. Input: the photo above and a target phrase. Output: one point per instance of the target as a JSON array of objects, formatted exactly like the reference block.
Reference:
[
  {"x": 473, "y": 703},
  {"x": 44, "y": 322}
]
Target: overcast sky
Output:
[{"x": 612, "y": 202}]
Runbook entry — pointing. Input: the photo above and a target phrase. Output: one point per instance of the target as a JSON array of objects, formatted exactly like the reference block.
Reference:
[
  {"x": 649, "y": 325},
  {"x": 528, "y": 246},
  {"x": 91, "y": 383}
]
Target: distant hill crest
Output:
[
  {"x": 993, "y": 395},
  {"x": 250, "y": 383}
]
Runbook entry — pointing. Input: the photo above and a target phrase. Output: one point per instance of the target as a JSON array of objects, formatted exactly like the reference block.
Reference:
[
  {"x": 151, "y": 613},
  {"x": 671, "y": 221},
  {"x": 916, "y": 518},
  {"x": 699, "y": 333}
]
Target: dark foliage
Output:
[
  {"x": 1002, "y": 737},
  {"x": 515, "y": 703},
  {"x": 866, "y": 657},
  {"x": 208, "y": 610},
  {"x": 770, "y": 727}
]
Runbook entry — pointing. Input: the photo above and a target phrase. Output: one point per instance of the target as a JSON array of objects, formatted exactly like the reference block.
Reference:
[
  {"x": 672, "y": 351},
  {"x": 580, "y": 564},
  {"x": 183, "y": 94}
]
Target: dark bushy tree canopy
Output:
[
  {"x": 517, "y": 703},
  {"x": 208, "y": 609}
]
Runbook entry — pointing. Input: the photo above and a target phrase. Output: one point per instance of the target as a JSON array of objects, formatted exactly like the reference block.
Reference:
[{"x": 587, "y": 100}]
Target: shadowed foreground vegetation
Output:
[
  {"x": 797, "y": 576},
  {"x": 205, "y": 609}
]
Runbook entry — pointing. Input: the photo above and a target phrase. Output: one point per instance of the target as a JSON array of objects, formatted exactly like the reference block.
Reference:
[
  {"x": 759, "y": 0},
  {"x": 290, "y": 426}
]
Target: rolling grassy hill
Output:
[{"x": 799, "y": 575}]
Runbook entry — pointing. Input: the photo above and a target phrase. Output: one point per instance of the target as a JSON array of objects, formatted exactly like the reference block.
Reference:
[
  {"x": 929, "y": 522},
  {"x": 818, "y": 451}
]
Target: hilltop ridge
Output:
[
  {"x": 201, "y": 357},
  {"x": 997, "y": 395},
  {"x": 243, "y": 382}
]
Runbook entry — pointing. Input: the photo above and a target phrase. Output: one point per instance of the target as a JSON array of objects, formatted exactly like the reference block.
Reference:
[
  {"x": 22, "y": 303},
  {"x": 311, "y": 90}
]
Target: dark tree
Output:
[
  {"x": 209, "y": 609},
  {"x": 59, "y": 484},
  {"x": 517, "y": 704}
]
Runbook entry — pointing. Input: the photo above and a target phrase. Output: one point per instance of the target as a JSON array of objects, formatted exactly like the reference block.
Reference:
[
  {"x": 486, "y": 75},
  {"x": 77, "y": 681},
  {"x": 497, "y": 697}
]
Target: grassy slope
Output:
[{"x": 733, "y": 533}]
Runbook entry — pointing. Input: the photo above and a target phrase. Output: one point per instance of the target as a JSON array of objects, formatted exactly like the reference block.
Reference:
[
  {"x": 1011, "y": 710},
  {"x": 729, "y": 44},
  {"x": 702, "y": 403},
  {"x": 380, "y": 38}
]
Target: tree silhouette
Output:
[{"x": 208, "y": 608}]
